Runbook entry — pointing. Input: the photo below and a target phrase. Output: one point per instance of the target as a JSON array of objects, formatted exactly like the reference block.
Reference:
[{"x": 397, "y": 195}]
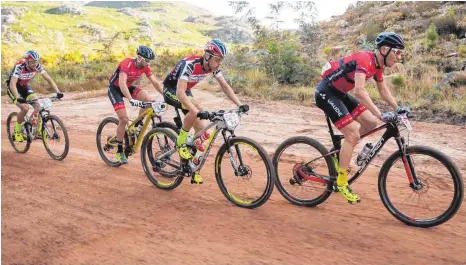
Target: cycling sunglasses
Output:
[{"x": 397, "y": 52}]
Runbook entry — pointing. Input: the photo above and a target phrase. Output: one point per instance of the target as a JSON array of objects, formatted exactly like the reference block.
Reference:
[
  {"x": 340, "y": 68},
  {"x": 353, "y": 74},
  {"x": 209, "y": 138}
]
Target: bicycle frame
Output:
[
  {"x": 391, "y": 131},
  {"x": 210, "y": 141},
  {"x": 148, "y": 115}
]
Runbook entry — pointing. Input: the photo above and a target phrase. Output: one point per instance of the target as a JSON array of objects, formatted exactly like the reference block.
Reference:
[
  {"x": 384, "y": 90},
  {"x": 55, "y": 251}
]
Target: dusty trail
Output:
[{"x": 80, "y": 211}]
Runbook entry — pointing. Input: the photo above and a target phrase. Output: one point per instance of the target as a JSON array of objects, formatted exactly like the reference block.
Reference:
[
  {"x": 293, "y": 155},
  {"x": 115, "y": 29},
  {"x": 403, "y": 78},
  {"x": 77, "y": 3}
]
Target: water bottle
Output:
[
  {"x": 364, "y": 153},
  {"x": 34, "y": 119},
  {"x": 197, "y": 158}
]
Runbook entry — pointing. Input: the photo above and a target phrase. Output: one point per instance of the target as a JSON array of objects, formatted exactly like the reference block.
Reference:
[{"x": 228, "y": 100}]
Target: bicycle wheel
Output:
[
  {"x": 437, "y": 197},
  {"x": 106, "y": 141},
  {"x": 238, "y": 183},
  {"x": 163, "y": 173},
  {"x": 303, "y": 172},
  {"x": 168, "y": 125},
  {"x": 55, "y": 137},
  {"x": 20, "y": 147}
]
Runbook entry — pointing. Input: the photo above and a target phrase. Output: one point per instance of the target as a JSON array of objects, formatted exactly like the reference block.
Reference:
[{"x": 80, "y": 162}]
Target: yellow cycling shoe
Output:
[
  {"x": 184, "y": 152},
  {"x": 345, "y": 191},
  {"x": 19, "y": 136},
  {"x": 197, "y": 179}
]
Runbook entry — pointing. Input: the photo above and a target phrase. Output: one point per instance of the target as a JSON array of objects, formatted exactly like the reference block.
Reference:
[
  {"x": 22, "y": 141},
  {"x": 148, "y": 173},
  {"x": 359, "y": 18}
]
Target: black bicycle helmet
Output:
[
  {"x": 390, "y": 39},
  {"x": 145, "y": 52}
]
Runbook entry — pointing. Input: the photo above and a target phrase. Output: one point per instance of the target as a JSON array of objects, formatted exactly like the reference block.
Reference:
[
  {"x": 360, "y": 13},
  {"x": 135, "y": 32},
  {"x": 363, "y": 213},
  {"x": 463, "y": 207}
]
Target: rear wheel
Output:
[
  {"x": 20, "y": 147},
  {"x": 303, "y": 171},
  {"x": 107, "y": 142},
  {"x": 162, "y": 172}
]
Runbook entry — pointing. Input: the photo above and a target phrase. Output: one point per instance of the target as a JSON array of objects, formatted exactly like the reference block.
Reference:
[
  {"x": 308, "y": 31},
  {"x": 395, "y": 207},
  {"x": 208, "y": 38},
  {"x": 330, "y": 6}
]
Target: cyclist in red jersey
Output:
[
  {"x": 120, "y": 85},
  {"x": 348, "y": 73},
  {"x": 19, "y": 90},
  {"x": 177, "y": 92}
]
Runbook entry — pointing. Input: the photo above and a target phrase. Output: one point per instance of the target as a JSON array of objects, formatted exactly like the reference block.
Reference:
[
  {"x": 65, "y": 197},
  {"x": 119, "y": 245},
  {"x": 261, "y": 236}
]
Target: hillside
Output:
[
  {"x": 83, "y": 29},
  {"x": 360, "y": 24}
]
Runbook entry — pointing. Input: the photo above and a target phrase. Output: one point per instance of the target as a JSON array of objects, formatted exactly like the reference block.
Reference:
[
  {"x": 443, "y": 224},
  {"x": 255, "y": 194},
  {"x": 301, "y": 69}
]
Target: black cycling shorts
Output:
[
  {"x": 169, "y": 95},
  {"x": 25, "y": 92},
  {"x": 341, "y": 108},
  {"x": 116, "y": 96}
]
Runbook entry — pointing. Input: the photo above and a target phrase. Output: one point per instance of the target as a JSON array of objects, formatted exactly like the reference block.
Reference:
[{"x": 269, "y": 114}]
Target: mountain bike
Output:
[
  {"x": 420, "y": 186},
  {"x": 235, "y": 162},
  {"x": 46, "y": 126},
  {"x": 106, "y": 132}
]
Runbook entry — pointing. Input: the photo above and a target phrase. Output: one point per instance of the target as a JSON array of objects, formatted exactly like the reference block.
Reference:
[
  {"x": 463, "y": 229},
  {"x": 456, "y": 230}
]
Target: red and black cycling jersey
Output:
[
  {"x": 128, "y": 66},
  {"x": 189, "y": 69},
  {"x": 23, "y": 74},
  {"x": 340, "y": 73}
]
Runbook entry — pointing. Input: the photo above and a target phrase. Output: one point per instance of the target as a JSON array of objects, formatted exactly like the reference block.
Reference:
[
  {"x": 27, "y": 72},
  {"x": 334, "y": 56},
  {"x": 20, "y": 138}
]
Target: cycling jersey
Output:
[
  {"x": 23, "y": 74},
  {"x": 128, "y": 66},
  {"x": 191, "y": 70},
  {"x": 340, "y": 73}
]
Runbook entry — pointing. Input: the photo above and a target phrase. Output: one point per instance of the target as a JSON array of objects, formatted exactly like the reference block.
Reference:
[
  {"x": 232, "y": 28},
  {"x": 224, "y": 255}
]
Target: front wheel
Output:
[
  {"x": 162, "y": 172},
  {"x": 433, "y": 199},
  {"x": 55, "y": 137},
  {"x": 244, "y": 172},
  {"x": 20, "y": 147},
  {"x": 302, "y": 170}
]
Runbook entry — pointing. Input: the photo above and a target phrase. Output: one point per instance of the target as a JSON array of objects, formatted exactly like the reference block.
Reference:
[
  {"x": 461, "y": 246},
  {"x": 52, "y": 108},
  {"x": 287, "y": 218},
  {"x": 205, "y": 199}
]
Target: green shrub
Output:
[{"x": 432, "y": 36}]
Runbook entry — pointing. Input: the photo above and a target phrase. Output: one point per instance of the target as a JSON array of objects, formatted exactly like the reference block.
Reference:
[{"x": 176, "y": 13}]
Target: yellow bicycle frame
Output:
[{"x": 147, "y": 115}]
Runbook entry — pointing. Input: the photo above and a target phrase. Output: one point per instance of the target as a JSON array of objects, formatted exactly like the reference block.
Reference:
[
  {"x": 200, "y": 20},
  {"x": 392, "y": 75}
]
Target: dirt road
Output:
[{"x": 80, "y": 211}]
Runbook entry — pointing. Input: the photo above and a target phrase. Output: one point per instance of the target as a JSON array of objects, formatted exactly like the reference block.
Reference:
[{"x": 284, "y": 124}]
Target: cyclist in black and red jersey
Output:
[
  {"x": 120, "y": 85},
  {"x": 348, "y": 73},
  {"x": 19, "y": 90},
  {"x": 177, "y": 92}
]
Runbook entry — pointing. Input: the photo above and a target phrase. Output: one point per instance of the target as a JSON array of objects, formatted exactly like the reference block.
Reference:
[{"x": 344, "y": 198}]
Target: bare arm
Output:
[
  {"x": 181, "y": 94},
  {"x": 363, "y": 96},
  {"x": 13, "y": 88},
  {"x": 228, "y": 90},
  {"x": 156, "y": 84},
  {"x": 123, "y": 87},
  {"x": 386, "y": 94},
  {"x": 49, "y": 80}
]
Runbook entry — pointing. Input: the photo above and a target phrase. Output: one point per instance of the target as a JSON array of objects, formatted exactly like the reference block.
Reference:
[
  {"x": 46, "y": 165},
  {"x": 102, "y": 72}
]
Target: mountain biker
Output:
[
  {"x": 348, "y": 73},
  {"x": 120, "y": 85},
  {"x": 19, "y": 90},
  {"x": 177, "y": 92}
]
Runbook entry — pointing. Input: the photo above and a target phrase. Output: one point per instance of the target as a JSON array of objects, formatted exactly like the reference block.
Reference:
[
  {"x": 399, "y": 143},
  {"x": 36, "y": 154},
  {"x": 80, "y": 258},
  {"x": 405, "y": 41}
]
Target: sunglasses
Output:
[
  {"x": 146, "y": 60},
  {"x": 397, "y": 52}
]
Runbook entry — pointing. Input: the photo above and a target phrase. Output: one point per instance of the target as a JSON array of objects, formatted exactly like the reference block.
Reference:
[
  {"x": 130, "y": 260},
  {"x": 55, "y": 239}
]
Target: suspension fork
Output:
[
  {"x": 238, "y": 152},
  {"x": 407, "y": 163}
]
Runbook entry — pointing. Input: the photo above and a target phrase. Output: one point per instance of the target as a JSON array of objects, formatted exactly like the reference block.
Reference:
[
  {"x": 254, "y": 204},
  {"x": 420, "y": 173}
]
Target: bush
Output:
[
  {"x": 371, "y": 30},
  {"x": 432, "y": 36},
  {"x": 462, "y": 51},
  {"x": 445, "y": 25},
  {"x": 327, "y": 51},
  {"x": 398, "y": 81}
]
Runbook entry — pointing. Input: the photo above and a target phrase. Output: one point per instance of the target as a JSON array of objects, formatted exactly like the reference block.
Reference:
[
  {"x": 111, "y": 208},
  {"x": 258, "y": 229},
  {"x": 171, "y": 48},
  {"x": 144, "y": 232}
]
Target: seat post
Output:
[
  {"x": 336, "y": 139},
  {"x": 177, "y": 119}
]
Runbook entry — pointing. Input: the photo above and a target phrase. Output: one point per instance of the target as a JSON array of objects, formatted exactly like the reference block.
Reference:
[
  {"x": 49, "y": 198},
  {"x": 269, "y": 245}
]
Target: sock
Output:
[
  {"x": 182, "y": 137},
  {"x": 342, "y": 178},
  {"x": 18, "y": 126},
  {"x": 120, "y": 146}
]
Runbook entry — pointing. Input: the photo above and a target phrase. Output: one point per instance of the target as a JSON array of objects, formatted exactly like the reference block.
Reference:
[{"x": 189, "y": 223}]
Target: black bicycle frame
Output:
[{"x": 392, "y": 131}]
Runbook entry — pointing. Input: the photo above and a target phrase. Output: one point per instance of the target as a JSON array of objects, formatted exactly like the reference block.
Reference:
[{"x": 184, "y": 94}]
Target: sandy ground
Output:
[{"x": 80, "y": 211}]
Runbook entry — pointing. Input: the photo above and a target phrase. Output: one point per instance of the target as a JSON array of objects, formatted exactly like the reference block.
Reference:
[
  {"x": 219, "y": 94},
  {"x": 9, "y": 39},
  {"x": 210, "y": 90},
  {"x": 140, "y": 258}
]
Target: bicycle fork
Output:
[{"x": 408, "y": 165}]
